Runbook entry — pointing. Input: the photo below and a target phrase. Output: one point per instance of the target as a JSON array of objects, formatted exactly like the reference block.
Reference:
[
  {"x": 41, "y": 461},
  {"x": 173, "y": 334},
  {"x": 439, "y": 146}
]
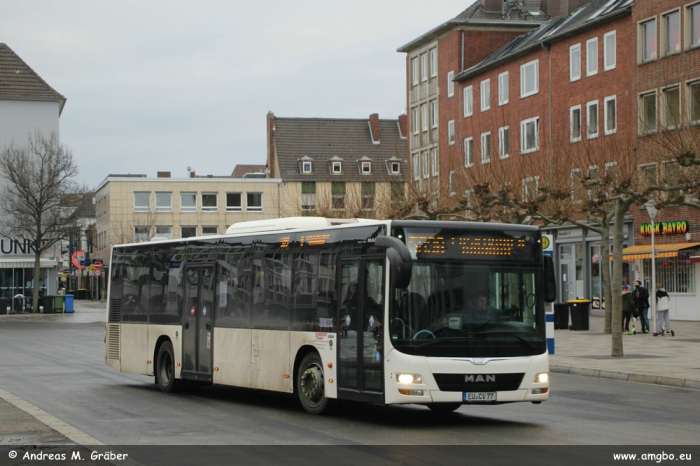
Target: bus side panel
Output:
[
  {"x": 134, "y": 348},
  {"x": 270, "y": 371},
  {"x": 326, "y": 345},
  {"x": 232, "y": 356},
  {"x": 112, "y": 346},
  {"x": 173, "y": 332}
]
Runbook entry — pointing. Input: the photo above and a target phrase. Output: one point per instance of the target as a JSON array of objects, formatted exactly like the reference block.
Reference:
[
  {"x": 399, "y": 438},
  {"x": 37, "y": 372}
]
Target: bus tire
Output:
[
  {"x": 310, "y": 384},
  {"x": 165, "y": 368},
  {"x": 444, "y": 407}
]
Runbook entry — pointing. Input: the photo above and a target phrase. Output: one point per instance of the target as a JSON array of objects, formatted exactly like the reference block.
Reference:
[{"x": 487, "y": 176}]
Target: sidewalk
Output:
[
  {"x": 85, "y": 312},
  {"x": 662, "y": 360}
]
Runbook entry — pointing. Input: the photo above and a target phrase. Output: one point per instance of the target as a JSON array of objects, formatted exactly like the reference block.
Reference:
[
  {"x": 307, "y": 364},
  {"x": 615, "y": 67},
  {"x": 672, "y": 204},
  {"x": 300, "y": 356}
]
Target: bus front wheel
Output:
[
  {"x": 310, "y": 384},
  {"x": 166, "y": 367}
]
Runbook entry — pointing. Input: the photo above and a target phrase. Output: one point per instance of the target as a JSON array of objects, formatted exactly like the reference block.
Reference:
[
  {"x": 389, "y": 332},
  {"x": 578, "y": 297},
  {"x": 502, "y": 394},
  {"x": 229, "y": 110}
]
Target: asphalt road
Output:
[{"x": 60, "y": 369}]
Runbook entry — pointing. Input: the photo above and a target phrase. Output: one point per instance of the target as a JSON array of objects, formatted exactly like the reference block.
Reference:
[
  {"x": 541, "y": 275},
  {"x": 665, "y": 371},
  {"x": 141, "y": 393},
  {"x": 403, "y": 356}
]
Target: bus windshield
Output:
[{"x": 458, "y": 309}]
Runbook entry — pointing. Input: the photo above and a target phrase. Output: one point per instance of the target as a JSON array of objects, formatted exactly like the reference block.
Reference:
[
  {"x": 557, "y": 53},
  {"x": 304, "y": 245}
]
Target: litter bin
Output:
[
  {"x": 561, "y": 316},
  {"x": 579, "y": 309},
  {"x": 69, "y": 302},
  {"x": 58, "y": 304},
  {"x": 48, "y": 304},
  {"x": 4, "y": 306}
]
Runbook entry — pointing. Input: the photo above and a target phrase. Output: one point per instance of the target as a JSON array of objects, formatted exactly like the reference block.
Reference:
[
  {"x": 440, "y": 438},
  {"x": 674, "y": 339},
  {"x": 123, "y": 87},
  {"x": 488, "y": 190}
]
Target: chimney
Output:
[
  {"x": 403, "y": 126},
  {"x": 163, "y": 174},
  {"x": 492, "y": 6},
  {"x": 374, "y": 127}
]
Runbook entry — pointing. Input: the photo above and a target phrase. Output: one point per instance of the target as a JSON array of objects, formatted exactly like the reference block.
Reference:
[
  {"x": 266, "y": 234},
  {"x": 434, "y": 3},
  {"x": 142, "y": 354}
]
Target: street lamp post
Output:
[{"x": 651, "y": 209}]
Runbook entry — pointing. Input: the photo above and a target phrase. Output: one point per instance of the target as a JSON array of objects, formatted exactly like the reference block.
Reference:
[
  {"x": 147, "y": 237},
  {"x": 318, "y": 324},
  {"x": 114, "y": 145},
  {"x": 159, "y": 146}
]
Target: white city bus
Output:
[{"x": 392, "y": 312}]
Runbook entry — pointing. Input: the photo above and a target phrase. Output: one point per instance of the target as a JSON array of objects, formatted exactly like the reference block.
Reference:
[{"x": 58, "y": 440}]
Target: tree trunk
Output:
[
  {"x": 37, "y": 279},
  {"x": 621, "y": 208},
  {"x": 605, "y": 275}
]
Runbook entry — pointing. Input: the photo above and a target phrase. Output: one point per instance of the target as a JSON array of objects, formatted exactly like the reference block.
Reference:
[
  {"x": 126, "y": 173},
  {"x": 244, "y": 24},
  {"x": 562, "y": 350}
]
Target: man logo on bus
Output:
[{"x": 479, "y": 378}]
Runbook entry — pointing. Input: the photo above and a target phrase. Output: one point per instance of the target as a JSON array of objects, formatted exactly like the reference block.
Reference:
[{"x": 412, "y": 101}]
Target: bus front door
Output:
[
  {"x": 197, "y": 323},
  {"x": 361, "y": 352}
]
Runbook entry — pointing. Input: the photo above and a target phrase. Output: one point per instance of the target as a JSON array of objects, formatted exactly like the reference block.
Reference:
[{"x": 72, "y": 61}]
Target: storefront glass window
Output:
[{"x": 676, "y": 274}]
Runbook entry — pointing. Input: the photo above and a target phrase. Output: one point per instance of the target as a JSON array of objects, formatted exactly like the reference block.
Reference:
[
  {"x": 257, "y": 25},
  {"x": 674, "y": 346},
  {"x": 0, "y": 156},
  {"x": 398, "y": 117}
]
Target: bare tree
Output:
[{"x": 39, "y": 184}]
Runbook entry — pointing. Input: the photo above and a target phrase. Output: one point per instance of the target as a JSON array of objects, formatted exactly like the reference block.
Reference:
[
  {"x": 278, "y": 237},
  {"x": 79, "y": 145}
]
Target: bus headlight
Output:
[
  {"x": 409, "y": 378},
  {"x": 542, "y": 377}
]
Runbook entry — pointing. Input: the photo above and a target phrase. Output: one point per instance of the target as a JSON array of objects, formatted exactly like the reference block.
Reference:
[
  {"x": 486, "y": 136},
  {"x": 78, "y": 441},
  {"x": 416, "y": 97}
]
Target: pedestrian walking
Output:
[
  {"x": 641, "y": 299},
  {"x": 628, "y": 308},
  {"x": 663, "y": 304}
]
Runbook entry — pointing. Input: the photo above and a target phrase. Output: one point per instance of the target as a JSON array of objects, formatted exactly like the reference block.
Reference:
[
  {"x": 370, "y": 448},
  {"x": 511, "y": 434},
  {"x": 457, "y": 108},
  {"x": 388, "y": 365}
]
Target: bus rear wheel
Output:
[
  {"x": 165, "y": 368},
  {"x": 444, "y": 407},
  {"x": 310, "y": 385}
]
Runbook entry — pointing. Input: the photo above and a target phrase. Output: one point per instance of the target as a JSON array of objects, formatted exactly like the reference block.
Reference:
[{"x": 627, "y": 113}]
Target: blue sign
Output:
[{"x": 549, "y": 253}]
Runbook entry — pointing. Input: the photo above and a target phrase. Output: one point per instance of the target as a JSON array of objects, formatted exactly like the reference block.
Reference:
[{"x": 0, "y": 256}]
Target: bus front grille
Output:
[
  {"x": 478, "y": 382},
  {"x": 113, "y": 342}
]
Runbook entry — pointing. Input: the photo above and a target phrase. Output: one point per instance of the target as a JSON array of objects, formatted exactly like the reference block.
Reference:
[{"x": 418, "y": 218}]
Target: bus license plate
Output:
[{"x": 478, "y": 396}]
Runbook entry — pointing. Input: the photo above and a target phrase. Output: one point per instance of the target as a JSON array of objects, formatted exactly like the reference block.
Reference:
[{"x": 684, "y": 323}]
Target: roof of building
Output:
[
  {"x": 349, "y": 140},
  {"x": 582, "y": 18},
  {"x": 527, "y": 14},
  {"x": 240, "y": 170},
  {"x": 19, "y": 82}
]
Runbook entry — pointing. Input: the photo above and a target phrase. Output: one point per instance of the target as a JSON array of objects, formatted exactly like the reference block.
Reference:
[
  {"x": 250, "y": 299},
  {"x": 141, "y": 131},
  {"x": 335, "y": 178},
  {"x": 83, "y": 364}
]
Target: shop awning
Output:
[
  {"x": 26, "y": 264},
  {"x": 662, "y": 250}
]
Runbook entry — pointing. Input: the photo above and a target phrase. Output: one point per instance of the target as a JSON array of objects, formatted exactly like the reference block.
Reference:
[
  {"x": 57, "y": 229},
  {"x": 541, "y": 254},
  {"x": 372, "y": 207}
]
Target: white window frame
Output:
[
  {"x": 426, "y": 165},
  {"x": 164, "y": 208},
  {"x": 214, "y": 208},
  {"x": 574, "y": 177},
  {"x": 606, "y": 129},
  {"x": 523, "y": 135},
  {"x": 527, "y": 181},
  {"x": 336, "y": 168},
  {"x": 140, "y": 207},
  {"x": 205, "y": 233},
  {"x": 366, "y": 168},
  {"x": 450, "y": 84},
  {"x": 468, "y": 101},
  {"x": 254, "y": 208},
  {"x": 424, "y": 67},
  {"x": 188, "y": 226},
  {"x": 184, "y": 208},
  {"x": 688, "y": 23},
  {"x": 451, "y": 132},
  {"x": 395, "y": 168},
  {"x": 641, "y": 40},
  {"x": 689, "y": 96},
  {"x": 416, "y": 166},
  {"x": 610, "y": 53},
  {"x": 641, "y": 113},
  {"x": 434, "y": 163},
  {"x": 453, "y": 192},
  {"x": 664, "y": 33},
  {"x": 572, "y": 60},
  {"x": 415, "y": 124},
  {"x": 142, "y": 233},
  {"x": 306, "y": 167},
  {"x": 503, "y": 88},
  {"x": 486, "y": 148},
  {"x": 164, "y": 231},
  {"x": 433, "y": 62},
  {"x": 235, "y": 208},
  {"x": 664, "y": 108},
  {"x": 424, "y": 117},
  {"x": 414, "y": 71},
  {"x": 485, "y": 94},
  {"x": 523, "y": 92},
  {"x": 591, "y": 65},
  {"x": 469, "y": 152},
  {"x": 503, "y": 136},
  {"x": 590, "y": 134},
  {"x": 573, "y": 109},
  {"x": 434, "y": 113}
]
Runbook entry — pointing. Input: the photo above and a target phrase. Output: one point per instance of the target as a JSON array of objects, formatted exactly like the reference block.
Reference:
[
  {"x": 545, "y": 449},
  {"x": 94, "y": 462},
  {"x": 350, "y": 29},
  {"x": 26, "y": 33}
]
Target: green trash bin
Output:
[
  {"x": 579, "y": 309},
  {"x": 58, "y": 304}
]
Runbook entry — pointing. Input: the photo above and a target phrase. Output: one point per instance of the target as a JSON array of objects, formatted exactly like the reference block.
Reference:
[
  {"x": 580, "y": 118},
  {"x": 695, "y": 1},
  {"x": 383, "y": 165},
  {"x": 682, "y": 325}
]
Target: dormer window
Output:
[
  {"x": 393, "y": 166},
  {"x": 366, "y": 168},
  {"x": 306, "y": 165},
  {"x": 337, "y": 168}
]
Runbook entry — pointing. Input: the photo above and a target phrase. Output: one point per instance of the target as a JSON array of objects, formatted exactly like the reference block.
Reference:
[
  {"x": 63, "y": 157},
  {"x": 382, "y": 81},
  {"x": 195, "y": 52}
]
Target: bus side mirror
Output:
[
  {"x": 550, "y": 283},
  {"x": 399, "y": 260}
]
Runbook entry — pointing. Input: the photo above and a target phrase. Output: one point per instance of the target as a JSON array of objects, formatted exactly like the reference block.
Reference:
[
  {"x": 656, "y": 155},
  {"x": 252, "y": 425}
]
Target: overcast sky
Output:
[{"x": 163, "y": 85}]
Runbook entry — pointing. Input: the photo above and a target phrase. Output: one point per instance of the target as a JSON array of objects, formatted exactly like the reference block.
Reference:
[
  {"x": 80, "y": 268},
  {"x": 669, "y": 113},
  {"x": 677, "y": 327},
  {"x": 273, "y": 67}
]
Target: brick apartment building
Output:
[{"x": 555, "y": 76}]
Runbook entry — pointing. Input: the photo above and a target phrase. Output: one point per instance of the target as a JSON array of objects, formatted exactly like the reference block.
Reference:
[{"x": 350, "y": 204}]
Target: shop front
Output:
[{"x": 17, "y": 275}]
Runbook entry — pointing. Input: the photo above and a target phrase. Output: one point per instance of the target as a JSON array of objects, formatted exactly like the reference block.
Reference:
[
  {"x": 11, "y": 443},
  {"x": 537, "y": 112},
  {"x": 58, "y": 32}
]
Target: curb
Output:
[{"x": 627, "y": 377}]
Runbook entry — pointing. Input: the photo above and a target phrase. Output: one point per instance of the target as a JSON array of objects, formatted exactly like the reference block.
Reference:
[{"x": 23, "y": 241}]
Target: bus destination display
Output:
[{"x": 445, "y": 244}]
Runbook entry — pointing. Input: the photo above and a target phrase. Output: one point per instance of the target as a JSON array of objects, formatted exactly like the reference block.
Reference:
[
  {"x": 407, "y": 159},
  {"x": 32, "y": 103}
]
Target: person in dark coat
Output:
[
  {"x": 628, "y": 308},
  {"x": 641, "y": 298}
]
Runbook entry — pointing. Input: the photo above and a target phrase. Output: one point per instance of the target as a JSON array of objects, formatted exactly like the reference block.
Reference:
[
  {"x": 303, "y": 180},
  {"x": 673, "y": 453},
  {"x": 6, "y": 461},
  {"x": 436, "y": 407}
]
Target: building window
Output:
[
  {"x": 529, "y": 135},
  {"x": 426, "y": 166},
  {"x": 468, "y": 101},
  {"x": 694, "y": 102},
  {"x": 395, "y": 168},
  {"x": 647, "y": 113},
  {"x": 164, "y": 202},
  {"x": 338, "y": 193},
  {"x": 366, "y": 168},
  {"x": 468, "y": 152},
  {"x": 575, "y": 62},
  {"x": 672, "y": 107},
  {"x": 306, "y": 167},
  {"x": 503, "y": 88},
  {"x": 209, "y": 202},
  {"x": 610, "y": 108},
  {"x": 485, "y": 95},
  {"x": 367, "y": 195},
  {"x": 531, "y": 187},
  {"x": 188, "y": 202},
  {"x": 486, "y": 147},
  {"x": 674, "y": 272},
  {"x": 424, "y": 116},
  {"x": 424, "y": 67},
  {"x": 434, "y": 113},
  {"x": 233, "y": 202},
  {"x": 594, "y": 180},
  {"x": 142, "y": 234},
  {"x": 450, "y": 84},
  {"x": 254, "y": 202},
  {"x": 188, "y": 231},
  {"x": 592, "y": 56},
  {"x": 575, "y": 123},
  {"x": 164, "y": 231},
  {"x": 451, "y": 132},
  {"x": 336, "y": 168},
  {"x": 142, "y": 201},
  {"x": 576, "y": 185},
  {"x": 592, "y": 119},
  {"x": 414, "y": 120},
  {"x": 452, "y": 183},
  {"x": 210, "y": 230},
  {"x": 529, "y": 79},
  {"x": 647, "y": 40},
  {"x": 416, "y": 167},
  {"x": 503, "y": 142},
  {"x": 433, "y": 63},
  {"x": 692, "y": 17},
  {"x": 649, "y": 175},
  {"x": 435, "y": 162},
  {"x": 609, "y": 50},
  {"x": 414, "y": 71},
  {"x": 308, "y": 196},
  {"x": 671, "y": 33}
]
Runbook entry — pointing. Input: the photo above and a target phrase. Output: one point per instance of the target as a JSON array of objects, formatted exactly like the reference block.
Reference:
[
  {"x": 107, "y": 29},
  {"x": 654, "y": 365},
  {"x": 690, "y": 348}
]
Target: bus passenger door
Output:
[
  {"x": 197, "y": 331},
  {"x": 361, "y": 351}
]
